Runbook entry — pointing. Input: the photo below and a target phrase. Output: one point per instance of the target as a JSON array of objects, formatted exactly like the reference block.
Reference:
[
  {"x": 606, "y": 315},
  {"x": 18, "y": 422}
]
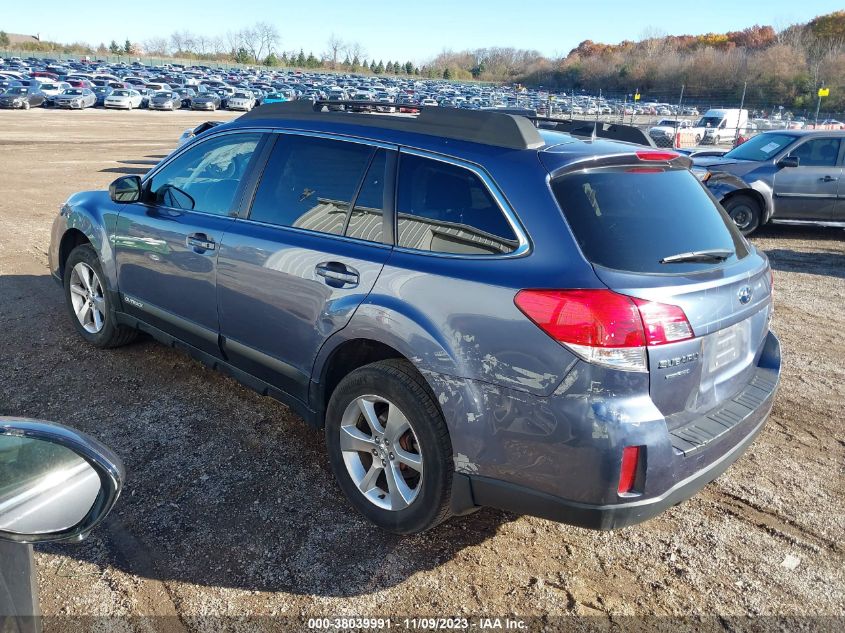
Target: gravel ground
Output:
[{"x": 230, "y": 509}]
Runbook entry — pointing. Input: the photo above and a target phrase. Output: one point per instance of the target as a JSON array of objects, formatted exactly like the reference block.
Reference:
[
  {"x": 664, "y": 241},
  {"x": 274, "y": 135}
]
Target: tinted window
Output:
[
  {"x": 366, "y": 219},
  {"x": 630, "y": 219},
  {"x": 447, "y": 209},
  {"x": 205, "y": 177},
  {"x": 820, "y": 152},
  {"x": 309, "y": 183}
]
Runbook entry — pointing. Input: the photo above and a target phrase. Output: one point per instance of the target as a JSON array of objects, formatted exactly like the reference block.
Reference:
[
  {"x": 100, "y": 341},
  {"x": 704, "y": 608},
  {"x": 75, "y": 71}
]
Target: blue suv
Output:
[{"x": 477, "y": 311}]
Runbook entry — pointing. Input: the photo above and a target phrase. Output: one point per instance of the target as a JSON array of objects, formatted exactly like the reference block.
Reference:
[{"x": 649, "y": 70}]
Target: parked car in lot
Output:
[
  {"x": 166, "y": 100},
  {"x": 663, "y": 134},
  {"x": 476, "y": 322},
  {"x": 51, "y": 89},
  {"x": 241, "y": 101},
  {"x": 101, "y": 92},
  {"x": 21, "y": 97},
  {"x": 206, "y": 101},
  {"x": 75, "y": 99},
  {"x": 56, "y": 484},
  {"x": 780, "y": 176},
  {"x": 123, "y": 99}
]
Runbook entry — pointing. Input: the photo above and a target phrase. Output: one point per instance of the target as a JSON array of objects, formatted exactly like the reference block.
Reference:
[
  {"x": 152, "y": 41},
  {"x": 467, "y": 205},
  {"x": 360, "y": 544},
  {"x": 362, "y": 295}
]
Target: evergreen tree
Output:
[
  {"x": 127, "y": 46},
  {"x": 379, "y": 67},
  {"x": 447, "y": 74},
  {"x": 397, "y": 68},
  {"x": 311, "y": 61},
  {"x": 4, "y": 38},
  {"x": 373, "y": 66},
  {"x": 242, "y": 56},
  {"x": 356, "y": 63},
  {"x": 300, "y": 59},
  {"x": 271, "y": 60},
  {"x": 389, "y": 67},
  {"x": 409, "y": 68},
  {"x": 114, "y": 48},
  {"x": 346, "y": 62}
]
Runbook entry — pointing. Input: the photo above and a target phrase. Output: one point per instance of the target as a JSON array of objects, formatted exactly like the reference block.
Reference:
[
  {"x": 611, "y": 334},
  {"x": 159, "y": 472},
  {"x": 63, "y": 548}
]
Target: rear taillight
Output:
[
  {"x": 628, "y": 472},
  {"x": 603, "y": 326},
  {"x": 663, "y": 323}
]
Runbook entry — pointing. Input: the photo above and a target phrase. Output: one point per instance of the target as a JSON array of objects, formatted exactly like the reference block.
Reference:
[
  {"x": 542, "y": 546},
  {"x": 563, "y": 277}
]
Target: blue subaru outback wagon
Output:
[{"x": 477, "y": 311}]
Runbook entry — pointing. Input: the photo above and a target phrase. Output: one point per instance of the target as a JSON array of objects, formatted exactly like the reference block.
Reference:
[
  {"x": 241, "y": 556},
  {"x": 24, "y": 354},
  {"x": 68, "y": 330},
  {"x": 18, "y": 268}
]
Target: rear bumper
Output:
[
  {"x": 678, "y": 463},
  {"x": 506, "y": 496}
]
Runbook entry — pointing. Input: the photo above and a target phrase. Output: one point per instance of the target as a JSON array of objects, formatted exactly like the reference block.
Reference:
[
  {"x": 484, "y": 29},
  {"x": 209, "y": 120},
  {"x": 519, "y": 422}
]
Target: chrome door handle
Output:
[
  {"x": 828, "y": 179},
  {"x": 337, "y": 274},
  {"x": 200, "y": 241}
]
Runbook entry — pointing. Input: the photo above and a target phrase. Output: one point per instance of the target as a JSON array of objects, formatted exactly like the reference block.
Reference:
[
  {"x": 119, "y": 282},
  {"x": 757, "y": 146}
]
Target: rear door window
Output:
[
  {"x": 445, "y": 208},
  {"x": 631, "y": 218},
  {"x": 309, "y": 183}
]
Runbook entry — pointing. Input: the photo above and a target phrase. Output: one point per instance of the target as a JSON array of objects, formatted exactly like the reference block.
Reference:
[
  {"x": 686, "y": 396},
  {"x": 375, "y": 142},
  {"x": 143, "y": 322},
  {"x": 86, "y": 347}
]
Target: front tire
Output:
[
  {"x": 89, "y": 303},
  {"x": 389, "y": 447},
  {"x": 744, "y": 211},
  {"x": 26, "y": 105}
]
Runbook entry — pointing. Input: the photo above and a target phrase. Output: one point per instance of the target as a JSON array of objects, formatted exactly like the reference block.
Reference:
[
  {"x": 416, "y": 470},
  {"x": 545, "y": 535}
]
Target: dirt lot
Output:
[{"x": 230, "y": 509}]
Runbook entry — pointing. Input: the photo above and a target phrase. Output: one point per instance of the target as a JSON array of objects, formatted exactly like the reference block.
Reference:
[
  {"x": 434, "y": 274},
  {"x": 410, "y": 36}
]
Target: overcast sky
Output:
[{"x": 404, "y": 29}]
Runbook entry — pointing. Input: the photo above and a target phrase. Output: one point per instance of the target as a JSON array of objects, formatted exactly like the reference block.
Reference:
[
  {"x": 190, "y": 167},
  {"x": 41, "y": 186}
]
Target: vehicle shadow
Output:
[
  {"x": 140, "y": 171},
  {"x": 796, "y": 232},
  {"x": 225, "y": 488},
  {"x": 824, "y": 262}
]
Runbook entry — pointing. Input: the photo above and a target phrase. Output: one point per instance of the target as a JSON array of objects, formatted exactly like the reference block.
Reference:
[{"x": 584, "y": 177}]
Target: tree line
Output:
[{"x": 785, "y": 65}]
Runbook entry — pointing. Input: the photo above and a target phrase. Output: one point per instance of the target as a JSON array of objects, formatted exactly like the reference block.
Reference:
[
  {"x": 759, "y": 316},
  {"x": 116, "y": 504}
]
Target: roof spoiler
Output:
[
  {"x": 598, "y": 129},
  {"x": 477, "y": 126}
]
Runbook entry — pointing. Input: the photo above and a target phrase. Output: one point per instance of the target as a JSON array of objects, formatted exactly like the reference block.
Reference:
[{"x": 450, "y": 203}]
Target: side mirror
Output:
[
  {"x": 126, "y": 189},
  {"x": 56, "y": 484},
  {"x": 789, "y": 161}
]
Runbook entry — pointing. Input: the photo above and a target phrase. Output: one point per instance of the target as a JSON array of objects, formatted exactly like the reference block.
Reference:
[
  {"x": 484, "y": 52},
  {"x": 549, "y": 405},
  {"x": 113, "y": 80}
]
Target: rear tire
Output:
[
  {"x": 26, "y": 105},
  {"x": 382, "y": 458},
  {"x": 744, "y": 211},
  {"x": 89, "y": 303}
]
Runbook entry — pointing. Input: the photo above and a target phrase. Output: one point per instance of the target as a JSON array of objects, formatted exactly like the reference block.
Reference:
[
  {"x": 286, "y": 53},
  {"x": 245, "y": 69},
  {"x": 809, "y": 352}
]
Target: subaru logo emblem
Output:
[{"x": 744, "y": 295}]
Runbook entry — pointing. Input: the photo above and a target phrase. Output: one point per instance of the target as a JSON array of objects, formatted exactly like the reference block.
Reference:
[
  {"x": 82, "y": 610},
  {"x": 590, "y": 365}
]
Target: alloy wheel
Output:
[
  {"x": 86, "y": 296},
  {"x": 381, "y": 452}
]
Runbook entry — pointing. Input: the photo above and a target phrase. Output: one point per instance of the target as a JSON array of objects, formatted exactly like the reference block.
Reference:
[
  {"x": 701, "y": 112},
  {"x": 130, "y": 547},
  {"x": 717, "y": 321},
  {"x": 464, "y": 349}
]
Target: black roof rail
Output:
[{"x": 477, "y": 126}]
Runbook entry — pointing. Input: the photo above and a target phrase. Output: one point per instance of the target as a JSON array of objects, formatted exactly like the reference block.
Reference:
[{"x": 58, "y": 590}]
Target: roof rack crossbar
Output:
[{"x": 477, "y": 126}]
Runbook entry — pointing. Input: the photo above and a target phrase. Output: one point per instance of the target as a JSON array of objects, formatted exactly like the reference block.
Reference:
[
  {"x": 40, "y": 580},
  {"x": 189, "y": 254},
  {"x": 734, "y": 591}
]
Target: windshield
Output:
[
  {"x": 628, "y": 218},
  {"x": 709, "y": 121},
  {"x": 668, "y": 123},
  {"x": 73, "y": 92},
  {"x": 120, "y": 93},
  {"x": 760, "y": 147},
  {"x": 16, "y": 91}
]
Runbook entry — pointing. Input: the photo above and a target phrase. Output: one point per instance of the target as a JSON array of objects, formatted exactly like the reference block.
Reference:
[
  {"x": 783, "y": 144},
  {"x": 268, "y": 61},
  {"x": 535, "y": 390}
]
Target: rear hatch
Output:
[{"x": 651, "y": 231}]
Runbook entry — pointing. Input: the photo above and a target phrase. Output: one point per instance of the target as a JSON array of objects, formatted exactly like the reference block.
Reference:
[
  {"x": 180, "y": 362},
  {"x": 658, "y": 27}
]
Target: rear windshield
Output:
[{"x": 631, "y": 218}]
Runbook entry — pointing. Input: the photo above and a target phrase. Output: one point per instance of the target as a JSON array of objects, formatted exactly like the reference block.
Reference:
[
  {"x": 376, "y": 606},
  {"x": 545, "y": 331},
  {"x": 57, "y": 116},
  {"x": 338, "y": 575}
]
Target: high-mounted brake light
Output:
[
  {"x": 628, "y": 472},
  {"x": 605, "y": 327},
  {"x": 656, "y": 155}
]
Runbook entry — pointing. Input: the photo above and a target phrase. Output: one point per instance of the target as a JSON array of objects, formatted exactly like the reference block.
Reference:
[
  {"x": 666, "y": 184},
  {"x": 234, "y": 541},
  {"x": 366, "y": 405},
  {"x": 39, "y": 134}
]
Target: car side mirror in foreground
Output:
[
  {"x": 125, "y": 189},
  {"x": 789, "y": 161},
  {"x": 56, "y": 484}
]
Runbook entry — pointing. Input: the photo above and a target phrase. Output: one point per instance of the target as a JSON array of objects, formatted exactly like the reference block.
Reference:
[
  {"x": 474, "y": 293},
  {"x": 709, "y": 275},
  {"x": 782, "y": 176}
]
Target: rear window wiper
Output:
[{"x": 712, "y": 255}]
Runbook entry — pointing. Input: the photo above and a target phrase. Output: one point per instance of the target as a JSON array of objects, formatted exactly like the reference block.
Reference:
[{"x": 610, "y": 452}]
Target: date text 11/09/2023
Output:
[{"x": 418, "y": 624}]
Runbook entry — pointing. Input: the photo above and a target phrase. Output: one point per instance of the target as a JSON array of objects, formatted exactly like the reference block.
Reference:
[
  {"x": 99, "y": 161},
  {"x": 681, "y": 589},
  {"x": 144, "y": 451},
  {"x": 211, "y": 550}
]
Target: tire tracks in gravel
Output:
[{"x": 773, "y": 523}]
